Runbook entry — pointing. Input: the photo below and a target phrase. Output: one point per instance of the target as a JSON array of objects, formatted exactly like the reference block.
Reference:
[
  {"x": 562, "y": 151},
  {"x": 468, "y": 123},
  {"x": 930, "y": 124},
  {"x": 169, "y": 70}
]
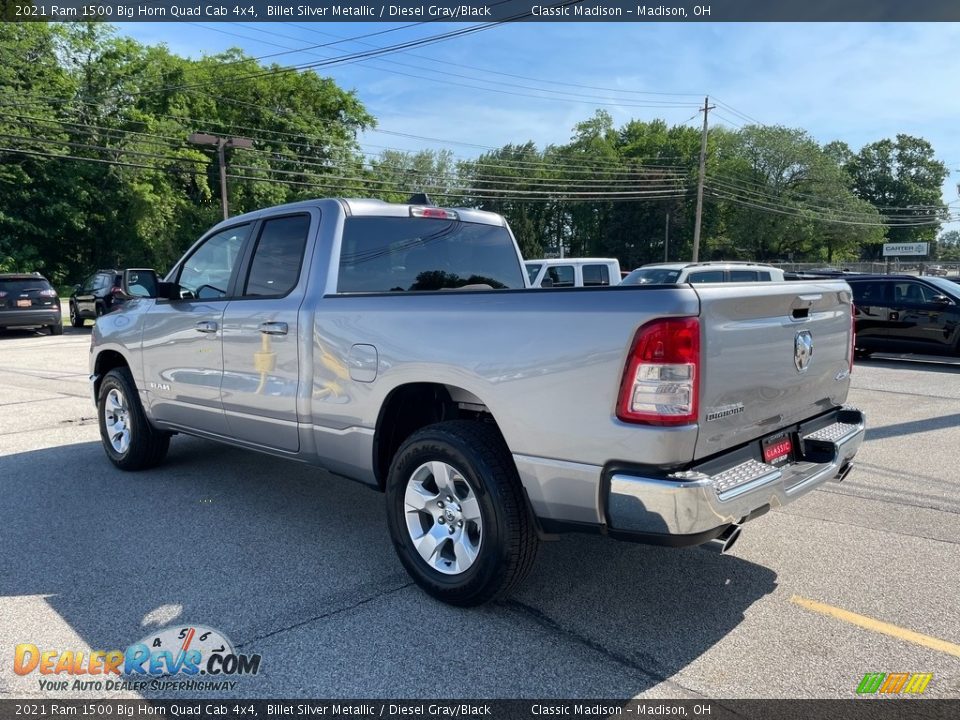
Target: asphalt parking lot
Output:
[{"x": 297, "y": 566}]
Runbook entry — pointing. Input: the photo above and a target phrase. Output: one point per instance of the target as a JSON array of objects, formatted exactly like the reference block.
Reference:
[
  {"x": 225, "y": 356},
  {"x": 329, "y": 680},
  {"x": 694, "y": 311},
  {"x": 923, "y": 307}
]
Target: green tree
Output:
[{"x": 902, "y": 177}]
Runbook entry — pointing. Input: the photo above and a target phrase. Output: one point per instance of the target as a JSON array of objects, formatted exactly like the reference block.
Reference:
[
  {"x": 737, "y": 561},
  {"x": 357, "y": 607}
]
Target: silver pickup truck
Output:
[{"x": 399, "y": 345}]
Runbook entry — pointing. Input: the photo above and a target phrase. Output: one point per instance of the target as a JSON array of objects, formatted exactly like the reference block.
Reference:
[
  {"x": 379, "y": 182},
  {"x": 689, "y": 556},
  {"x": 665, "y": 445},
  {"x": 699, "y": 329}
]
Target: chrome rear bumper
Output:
[{"x": 694, "y": 502}]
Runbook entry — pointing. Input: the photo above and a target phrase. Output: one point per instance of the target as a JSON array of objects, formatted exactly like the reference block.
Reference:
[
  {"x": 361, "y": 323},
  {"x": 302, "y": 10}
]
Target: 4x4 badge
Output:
[{"x": 803, "y": 350}]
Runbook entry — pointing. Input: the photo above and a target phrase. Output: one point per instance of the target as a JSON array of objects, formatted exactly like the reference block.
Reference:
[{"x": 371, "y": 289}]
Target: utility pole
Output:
[
  {"x": 666, "y": 240},
  {"x": 222, "y": 143},
  {"x": 703, "y": 170}
]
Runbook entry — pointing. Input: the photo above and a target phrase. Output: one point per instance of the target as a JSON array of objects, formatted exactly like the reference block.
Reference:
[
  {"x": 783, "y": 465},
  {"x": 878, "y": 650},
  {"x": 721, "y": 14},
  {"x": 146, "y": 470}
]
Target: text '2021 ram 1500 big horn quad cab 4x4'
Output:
[{"x": 400, "y": 345}]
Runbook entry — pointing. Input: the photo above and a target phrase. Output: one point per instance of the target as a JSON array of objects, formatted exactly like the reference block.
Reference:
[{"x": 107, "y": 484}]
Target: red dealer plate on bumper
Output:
[{"x": 777, "y": 449}]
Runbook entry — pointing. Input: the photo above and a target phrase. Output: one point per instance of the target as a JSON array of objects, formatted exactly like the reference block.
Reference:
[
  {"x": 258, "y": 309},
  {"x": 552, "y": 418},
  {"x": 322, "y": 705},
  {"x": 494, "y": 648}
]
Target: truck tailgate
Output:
[{"x": 773, "y": 354}]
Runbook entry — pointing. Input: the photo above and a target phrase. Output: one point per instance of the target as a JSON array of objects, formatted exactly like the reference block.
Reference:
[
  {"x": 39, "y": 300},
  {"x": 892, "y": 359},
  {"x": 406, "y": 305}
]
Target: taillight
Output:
[
  {"x": 660, "y": 383},
  {"x": 48, "y": 293},
  {"x": 117, "y": 292},
  {"x": 3, "y": 293}
]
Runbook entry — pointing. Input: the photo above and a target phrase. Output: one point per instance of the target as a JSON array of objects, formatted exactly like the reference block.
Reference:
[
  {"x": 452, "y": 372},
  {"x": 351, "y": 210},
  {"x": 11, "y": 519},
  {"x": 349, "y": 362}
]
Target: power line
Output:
[
  {"x": 569, "y": 97},
  {"x": 353, "y": 57}
]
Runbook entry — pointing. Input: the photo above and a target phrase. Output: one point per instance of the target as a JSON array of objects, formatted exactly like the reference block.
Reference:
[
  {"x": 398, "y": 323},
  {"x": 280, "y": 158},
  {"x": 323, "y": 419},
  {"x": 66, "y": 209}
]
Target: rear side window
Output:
[
  {"x": 763, "y": 276},
  {"x": 869, "y": 293},
  {"x": 745, "y": 276},
  {"x": 533, "y": 271},
  {"x": 277, "y": 259},
  {"x": 562, "y": 275},
  {"x": 708, "y": 276},
  {"x": 595, "y": 275},
  {"x": 390, "y": 254}
]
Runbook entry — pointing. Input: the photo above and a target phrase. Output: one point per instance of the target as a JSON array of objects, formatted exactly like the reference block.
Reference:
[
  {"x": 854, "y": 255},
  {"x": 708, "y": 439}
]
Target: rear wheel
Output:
[
  {"x": 129, "y": 439},
  {"x": 75, "y": 318},
  {"x": 56, "y": 329},
  {"x": 457, "y": 515}
]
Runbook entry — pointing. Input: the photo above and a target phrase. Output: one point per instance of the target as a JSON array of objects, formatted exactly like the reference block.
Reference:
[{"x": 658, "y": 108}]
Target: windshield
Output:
[
  {"x": 951, "y": 287},
  {"x": 651, "y": 276}
]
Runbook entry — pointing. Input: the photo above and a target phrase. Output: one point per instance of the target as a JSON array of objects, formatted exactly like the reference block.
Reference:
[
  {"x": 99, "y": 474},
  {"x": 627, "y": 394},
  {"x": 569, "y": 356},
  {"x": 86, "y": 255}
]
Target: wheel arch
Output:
[
  {"x": 107, "y": 360},
  {"x": 412, "y": 406}
]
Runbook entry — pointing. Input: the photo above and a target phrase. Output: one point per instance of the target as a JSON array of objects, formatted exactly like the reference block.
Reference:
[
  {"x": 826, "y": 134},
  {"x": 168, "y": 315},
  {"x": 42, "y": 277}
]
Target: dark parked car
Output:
[
  {"x": 98, "y": 294},
  {"x": 902, "y": 313},
  {"x": 28, "y": 300}
]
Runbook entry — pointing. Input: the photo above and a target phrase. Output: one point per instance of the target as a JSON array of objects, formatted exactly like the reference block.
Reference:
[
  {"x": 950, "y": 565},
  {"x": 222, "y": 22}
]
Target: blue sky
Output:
[{"x": 856, "y": 82}]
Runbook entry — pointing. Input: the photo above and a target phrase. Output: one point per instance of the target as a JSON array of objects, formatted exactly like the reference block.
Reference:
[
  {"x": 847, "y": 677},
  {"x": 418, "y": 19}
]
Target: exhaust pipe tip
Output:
[
  {"x": 844, "y": 471},
  {"x": 724, "y": 541}
]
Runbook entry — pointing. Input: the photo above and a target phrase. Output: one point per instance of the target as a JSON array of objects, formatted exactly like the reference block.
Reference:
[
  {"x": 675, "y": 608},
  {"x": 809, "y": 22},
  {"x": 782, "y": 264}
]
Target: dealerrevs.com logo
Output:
[{"x": 175, "y": 658}]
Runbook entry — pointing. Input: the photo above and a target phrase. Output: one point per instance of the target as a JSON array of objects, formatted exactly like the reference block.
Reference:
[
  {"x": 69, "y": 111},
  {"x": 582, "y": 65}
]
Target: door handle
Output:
[
  {"x": 273, "y": 328},
  {"x": 206, "y": 326}
]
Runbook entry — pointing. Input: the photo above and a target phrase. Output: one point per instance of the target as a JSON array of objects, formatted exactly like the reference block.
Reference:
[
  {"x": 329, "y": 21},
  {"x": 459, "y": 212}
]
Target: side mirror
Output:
[
  {"x": 140, "y": 282},
  {"x": 546, "y": 283},
  {"x": 942, "y": 300},
  {"x": 143, "y": 282}
]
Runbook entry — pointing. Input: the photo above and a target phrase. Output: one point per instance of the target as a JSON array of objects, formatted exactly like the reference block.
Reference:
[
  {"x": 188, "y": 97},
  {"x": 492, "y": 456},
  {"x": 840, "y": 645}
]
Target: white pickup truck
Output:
[{"x": 401, "y": 346}]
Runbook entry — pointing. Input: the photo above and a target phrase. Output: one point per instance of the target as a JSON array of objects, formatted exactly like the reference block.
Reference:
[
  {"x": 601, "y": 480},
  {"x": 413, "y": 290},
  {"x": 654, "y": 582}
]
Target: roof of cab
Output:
[{"x": 365, "y": 207}]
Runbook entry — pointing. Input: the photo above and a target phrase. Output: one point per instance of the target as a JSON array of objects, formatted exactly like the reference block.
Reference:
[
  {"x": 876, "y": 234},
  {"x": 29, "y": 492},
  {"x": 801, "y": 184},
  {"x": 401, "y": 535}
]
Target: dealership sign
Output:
[{"x": 893, "y": 249}]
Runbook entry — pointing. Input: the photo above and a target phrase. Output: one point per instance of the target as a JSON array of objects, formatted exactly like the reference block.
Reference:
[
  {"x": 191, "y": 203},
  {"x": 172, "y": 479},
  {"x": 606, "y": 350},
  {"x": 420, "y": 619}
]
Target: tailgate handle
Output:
[{"x": 800, "y": 309}]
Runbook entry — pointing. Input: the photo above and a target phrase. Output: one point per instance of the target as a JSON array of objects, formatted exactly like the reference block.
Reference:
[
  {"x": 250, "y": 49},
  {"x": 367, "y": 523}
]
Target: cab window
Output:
[
  {"x": 594, "y": 275},
  {"x": 275, "y": 268},
  {"x": 912, "y": 292},
  {"x": 562, "y": 275},
  {"x": 205, "y": 274},
  {"x": 869, "y": 293},
  {"x": 706, "y": 276}
]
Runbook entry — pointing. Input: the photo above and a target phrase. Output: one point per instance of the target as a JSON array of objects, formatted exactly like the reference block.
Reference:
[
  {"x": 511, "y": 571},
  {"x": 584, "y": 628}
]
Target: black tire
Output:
[
  {"x": 862, "y": 354},
  {"x": 509, "y": 542},
  {"x": 56, "y": 329},
  {"x": 98, "y": 310},
  {"x": 146, "y": 446},
  {"x": 75, "y": 318}
]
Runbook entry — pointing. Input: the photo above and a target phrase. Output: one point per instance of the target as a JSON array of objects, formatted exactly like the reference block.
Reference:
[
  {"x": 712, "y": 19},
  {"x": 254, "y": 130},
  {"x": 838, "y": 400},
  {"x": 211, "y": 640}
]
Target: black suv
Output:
[
  {"x": 98, "y": 294},
  {"x": 902, "y": 313},
  {"x": 28, "y": 300}
]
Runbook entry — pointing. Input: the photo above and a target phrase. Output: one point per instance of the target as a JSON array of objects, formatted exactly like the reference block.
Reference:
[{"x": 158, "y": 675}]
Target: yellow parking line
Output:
[{"x": 878, "y": 626}]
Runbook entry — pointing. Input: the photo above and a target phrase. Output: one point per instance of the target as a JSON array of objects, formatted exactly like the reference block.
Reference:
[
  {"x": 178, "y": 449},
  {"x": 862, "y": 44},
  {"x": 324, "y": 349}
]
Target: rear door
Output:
[
  {"x": 773, "y": 354},
  {"x": 872, "y": 301},
  {"x": 260, "y": 330},
  {"x": 85, "y": 297}
]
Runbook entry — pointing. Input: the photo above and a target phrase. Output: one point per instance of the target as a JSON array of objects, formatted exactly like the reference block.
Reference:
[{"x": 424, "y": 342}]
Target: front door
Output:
[
  {"x": 182, "y": 353},
  {"x": 260, "y": 330},
  {"x": 920, "y": 320}
]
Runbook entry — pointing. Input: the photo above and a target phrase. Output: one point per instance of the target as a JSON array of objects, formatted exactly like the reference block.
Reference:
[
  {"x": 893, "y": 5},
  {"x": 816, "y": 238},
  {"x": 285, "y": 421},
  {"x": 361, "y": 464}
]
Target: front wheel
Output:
[
  {"x": 129, "y": 439},
  {"x": 457, "y": 515}
]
